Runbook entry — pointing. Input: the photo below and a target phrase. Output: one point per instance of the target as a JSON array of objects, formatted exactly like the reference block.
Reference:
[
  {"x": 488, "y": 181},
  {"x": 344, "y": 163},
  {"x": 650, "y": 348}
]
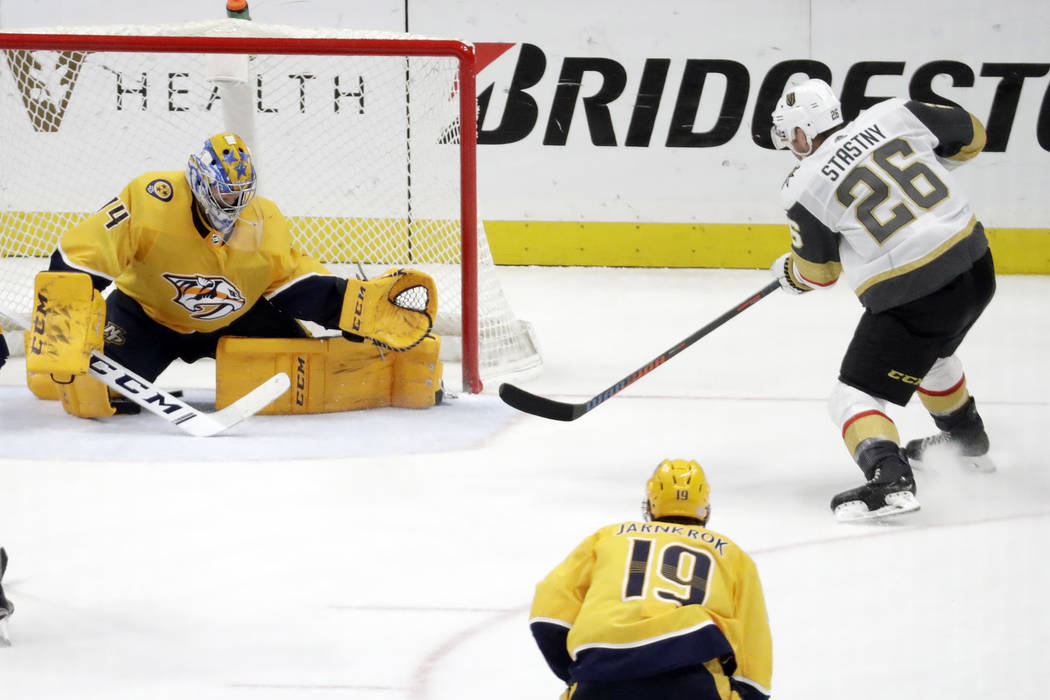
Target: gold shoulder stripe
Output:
[{"x": 976, "y": 144}]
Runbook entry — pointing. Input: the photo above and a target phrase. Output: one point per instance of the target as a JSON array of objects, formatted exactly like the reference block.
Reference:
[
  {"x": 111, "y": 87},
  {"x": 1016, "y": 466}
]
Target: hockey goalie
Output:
[{"x": 202, "y": 267}]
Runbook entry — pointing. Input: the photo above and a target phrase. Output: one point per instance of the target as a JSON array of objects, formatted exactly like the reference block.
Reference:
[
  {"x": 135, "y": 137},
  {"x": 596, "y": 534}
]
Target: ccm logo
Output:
[
  {"x": 359, "y": 308},
  {"x": 300, "y": 381},
  {"x": 906, "y": 378},
  {"x": 39, "y": 324},
  {"x": 132, "y": 385}
]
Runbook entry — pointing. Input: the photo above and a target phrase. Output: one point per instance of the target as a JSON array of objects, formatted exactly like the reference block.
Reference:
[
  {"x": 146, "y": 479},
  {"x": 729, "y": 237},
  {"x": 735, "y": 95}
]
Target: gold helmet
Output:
[
  {"x": 678, "y": 487},
  {"x": 222, "y": 177}
]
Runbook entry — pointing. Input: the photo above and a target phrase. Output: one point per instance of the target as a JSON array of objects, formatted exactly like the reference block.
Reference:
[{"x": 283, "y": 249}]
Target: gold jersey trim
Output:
[
  {"x": 976, "y": 144},
  {"x": 822, "y": 274},
  {"x": 920, "y": 262}
]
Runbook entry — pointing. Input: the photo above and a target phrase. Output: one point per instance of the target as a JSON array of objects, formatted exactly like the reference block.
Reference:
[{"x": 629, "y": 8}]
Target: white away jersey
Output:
[{"x": 876, "y": 202}]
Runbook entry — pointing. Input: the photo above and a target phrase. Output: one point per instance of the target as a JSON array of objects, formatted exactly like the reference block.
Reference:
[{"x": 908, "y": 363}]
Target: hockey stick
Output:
[
  {"x": 557, "y": 410},
  {"x": 173, "y": 409}
]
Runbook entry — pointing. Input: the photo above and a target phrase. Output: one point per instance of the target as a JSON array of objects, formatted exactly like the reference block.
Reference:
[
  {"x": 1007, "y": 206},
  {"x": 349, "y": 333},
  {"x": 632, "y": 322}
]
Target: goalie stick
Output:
[
  {"x": 558, "y": 410},
  {"x": 173, "y": 409}
]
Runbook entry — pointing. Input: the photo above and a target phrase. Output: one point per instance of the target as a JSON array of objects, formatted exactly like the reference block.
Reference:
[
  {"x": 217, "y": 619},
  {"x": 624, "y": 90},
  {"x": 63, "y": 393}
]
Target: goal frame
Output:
[{"x": 464, "y": 54}]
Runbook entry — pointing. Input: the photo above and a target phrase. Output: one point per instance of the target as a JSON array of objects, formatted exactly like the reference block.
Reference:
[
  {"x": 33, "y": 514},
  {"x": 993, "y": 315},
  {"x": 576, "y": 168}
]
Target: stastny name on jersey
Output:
[{"x": 850, "y": 150}]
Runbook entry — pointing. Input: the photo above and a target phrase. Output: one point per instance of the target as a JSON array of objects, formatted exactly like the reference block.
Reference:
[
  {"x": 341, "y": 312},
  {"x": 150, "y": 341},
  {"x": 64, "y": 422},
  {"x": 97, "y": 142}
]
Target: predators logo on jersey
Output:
[
  {"x": 206, "y": 297},
  {"x": 161, "y": 189}
]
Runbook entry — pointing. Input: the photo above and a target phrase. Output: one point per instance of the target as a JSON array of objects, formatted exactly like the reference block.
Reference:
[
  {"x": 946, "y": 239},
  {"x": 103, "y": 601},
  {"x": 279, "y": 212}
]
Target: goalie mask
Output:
[
  {"x": 810, "y": 106},
  {"x": 678, "y": 487},
  {"x": 222, "y": 177}
]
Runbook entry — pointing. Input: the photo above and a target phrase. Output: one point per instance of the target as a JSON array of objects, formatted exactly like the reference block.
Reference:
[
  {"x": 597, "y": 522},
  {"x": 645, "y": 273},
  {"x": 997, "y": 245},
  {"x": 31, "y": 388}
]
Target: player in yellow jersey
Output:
[
  {"x": 661, "y": 609},
  {"x": 195, "y": 255}
]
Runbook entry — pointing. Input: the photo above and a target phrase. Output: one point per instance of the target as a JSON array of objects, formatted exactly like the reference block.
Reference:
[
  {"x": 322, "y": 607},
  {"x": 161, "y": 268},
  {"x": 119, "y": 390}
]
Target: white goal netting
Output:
[{"x": 357, "y": 138}]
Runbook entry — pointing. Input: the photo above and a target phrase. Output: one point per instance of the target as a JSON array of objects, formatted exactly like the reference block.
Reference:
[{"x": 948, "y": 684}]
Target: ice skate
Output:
[
  {"x": 972, "y": 457},
  {"x": 876, "y": 499},
  {"x": 962, "y": 440},
  {"x": 889, "y": 490}
]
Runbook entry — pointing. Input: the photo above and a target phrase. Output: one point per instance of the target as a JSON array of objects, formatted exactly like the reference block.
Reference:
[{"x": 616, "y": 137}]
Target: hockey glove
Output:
[
  {"x": 784, "y": 270},
  {"x": 394, "y": 311},
  {"x": 68, "y": 319}
]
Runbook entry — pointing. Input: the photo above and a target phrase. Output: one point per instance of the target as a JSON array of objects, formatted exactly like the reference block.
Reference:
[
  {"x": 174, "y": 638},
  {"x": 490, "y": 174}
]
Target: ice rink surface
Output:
[{"x": 392, "y": 554}]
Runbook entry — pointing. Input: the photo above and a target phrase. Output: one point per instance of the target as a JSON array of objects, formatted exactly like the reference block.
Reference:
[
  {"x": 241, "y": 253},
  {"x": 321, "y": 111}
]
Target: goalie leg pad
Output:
[
  {"x": 81, "y": 399},
  {"x": 417, "y": 375},
  {"x": 44, "y": 387},
  {"x": 395, "y": 311},
  {"x": 69, "y": 316},
  {"x": 85, "y": 397},
  {"x": 41, "y": 385},
  {"x": 328, "y": 374}
]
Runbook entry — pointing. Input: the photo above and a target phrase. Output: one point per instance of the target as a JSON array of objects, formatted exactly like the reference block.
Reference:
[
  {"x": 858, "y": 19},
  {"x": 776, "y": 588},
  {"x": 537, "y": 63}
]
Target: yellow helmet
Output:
[
  {"x": 222, "y": 178},
  {"x": 678, "y": 487}
]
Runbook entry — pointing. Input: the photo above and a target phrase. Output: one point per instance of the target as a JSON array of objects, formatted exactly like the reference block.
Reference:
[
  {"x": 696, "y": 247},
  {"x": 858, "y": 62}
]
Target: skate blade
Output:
[
  {"x": 896, "y": 504},
  {"x": 5, "y": 639},
  {"x": 947, "y": 458}
]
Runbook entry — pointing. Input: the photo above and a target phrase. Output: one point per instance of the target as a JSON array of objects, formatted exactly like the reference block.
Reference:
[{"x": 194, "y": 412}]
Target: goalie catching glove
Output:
[{"x": 394, "y": 311}]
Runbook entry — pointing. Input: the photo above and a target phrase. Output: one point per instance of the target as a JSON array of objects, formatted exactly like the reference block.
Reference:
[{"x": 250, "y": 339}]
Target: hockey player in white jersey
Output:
[{"x": 873, "y": 200}]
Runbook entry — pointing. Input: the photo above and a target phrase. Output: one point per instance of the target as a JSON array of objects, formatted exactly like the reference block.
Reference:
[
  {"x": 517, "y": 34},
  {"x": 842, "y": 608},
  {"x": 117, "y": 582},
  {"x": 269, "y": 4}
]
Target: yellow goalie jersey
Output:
[
  {"x": 152, "y": 242},
  {"x": 637, "y": 599}
]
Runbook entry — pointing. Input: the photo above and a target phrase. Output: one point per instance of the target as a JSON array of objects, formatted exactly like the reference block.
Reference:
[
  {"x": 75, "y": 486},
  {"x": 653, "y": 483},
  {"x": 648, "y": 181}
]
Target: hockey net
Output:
[{"x": 365, "y": 140}]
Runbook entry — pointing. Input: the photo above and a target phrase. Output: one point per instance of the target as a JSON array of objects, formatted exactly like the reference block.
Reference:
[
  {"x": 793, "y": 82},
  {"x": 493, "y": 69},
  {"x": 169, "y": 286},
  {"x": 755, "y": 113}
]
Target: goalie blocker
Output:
[
  {"x": 330, "y": 374},
  {"x": 69, "y": 316}
]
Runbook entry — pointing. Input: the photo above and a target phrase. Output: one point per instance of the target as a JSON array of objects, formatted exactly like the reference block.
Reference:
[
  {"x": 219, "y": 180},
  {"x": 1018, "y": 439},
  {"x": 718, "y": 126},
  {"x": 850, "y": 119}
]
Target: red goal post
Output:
[{"x": 366, "y": 141}]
